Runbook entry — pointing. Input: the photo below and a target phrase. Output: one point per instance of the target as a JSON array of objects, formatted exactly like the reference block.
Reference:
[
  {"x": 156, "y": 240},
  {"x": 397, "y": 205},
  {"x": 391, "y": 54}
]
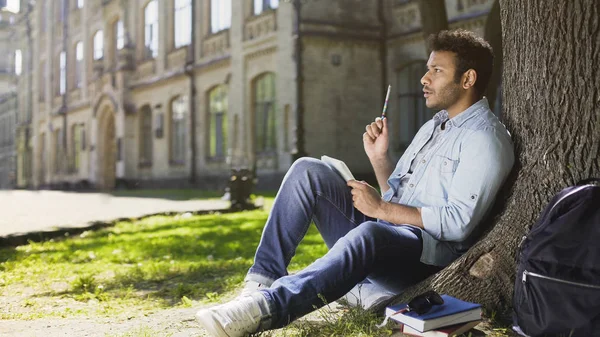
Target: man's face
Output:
[{"x": 440, "y": 89}]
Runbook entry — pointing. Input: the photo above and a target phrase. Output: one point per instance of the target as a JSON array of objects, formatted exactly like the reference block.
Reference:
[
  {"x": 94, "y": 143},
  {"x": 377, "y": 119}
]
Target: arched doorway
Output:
[{"x": 107, "y": 150}]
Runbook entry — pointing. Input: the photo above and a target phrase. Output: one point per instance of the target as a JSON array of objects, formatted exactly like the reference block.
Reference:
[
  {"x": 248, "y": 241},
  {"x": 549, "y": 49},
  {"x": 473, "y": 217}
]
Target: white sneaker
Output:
[
  {"x": 252, "y": 286},
  {"x": 237, "y": 318},
  {"x": 366, "y": 295}
]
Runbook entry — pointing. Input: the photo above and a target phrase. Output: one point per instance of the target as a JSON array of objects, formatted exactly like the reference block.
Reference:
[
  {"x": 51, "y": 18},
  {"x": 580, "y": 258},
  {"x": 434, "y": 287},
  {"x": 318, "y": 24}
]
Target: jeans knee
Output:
[
  {"x": 368, "y": 231},
  {"x": 307, "y": 165}
]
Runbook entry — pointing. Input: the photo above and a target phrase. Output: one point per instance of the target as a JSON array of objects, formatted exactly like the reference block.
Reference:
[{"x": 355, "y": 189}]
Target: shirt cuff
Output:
[{"x": 431, "y": 222}]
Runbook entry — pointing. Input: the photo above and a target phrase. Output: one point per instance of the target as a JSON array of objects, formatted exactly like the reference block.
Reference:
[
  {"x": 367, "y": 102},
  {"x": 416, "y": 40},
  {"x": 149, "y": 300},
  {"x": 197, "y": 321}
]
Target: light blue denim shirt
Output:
[{"x": 457, "y": 180}]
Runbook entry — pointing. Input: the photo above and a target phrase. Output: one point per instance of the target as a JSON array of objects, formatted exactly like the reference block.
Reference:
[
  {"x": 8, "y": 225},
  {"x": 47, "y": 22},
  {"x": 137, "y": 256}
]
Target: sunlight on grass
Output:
[{"x": 137, "y": 266}]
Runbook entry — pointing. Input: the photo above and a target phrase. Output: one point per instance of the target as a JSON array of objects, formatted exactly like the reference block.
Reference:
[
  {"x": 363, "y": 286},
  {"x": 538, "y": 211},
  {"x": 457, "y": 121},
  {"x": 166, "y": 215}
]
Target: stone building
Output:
[
  {"x": 9, "y": 66},
  {"x": 164, "y": 92}
]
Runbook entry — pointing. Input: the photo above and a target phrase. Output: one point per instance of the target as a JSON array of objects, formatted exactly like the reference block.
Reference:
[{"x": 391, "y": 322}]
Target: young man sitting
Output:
[{"x": 433, "y": 199}]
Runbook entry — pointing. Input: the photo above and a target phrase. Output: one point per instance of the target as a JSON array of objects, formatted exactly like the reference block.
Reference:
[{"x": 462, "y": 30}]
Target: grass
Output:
[
  {"x": 137, "y": 267},
  {"x": 140, "y": 267}
]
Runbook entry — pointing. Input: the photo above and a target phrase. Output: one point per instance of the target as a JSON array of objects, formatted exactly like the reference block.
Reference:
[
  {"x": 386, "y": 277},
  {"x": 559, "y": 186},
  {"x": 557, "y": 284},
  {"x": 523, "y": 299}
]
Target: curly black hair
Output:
[{"x": 472, "y": 52}]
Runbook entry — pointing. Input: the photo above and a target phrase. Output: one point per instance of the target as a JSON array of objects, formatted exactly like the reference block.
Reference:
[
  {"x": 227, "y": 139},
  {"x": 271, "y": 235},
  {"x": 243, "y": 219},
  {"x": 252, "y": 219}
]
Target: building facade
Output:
[
  {"x": 8, "y": 100},
  {"x": 164, "y": 92}
]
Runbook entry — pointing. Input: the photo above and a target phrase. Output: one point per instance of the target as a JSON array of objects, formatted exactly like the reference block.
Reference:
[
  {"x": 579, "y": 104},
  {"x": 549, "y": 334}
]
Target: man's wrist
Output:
[
  {"x": 379, "y": 159},
  {"x": 382, "y": 210}
]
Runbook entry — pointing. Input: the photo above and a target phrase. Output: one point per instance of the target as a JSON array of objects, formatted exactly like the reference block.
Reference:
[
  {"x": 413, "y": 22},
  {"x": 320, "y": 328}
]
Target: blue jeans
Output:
[{"x": 359, "y": 246}]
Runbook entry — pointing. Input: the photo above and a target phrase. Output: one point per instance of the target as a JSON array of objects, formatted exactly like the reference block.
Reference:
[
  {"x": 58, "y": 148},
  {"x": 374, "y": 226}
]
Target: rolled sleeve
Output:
[{"x": 485, "y": 161}]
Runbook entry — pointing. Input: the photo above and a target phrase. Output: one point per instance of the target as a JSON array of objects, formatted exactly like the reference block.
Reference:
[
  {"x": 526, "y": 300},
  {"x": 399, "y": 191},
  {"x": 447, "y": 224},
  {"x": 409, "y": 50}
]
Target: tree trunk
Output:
[{"x": 551, "y": 90}]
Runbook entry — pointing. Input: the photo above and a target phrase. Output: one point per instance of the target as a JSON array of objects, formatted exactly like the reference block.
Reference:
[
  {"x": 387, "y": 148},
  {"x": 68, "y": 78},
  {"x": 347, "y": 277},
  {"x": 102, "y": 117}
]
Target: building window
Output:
[
  {"x": 78, "y": 64},
  {"x": 18, "y": 62},
  {"x": 220, "y": 15},
  {"x": 179, "y": 108},
  {"x": 13, "y": 5},
  {"x": 80, "y": 3},
  {"x": 183, "y": 23},
  {"x": 264, "y": 113},
  {"x": 76, "y": 145},
  {"x": 413, "y": 112},
  {"x": 263, "y": 5},
  {"x": 151, "y": 29},
  {"x": 145, "y": 135},
  {"x": 62, "y": 86},
  {"x": 98, "y": 45},
  {"x": 217, "y": 121},
  {"x": 119, "y": 35}
]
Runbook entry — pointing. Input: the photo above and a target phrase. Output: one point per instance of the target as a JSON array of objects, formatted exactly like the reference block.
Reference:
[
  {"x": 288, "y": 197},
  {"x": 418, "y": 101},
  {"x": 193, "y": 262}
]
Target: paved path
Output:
[{"x": 39, "y": 211}]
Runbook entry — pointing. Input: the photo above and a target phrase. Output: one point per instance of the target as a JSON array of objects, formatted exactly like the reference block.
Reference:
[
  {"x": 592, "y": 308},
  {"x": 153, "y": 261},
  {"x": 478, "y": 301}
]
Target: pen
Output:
[{"x": 387, "y": 97}]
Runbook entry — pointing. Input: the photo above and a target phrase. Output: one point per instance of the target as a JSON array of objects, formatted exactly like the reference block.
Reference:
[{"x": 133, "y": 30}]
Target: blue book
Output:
[{"x": 453, "y": 311}]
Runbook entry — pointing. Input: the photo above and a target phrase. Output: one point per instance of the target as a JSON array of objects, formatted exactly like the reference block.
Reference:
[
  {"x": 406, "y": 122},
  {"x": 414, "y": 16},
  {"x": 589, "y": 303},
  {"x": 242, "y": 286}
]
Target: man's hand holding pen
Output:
[{"x": 375, "y": 139}]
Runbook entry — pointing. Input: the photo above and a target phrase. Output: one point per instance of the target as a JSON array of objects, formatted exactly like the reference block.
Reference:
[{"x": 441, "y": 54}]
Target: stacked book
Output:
[{"x": 453, "y": 318}]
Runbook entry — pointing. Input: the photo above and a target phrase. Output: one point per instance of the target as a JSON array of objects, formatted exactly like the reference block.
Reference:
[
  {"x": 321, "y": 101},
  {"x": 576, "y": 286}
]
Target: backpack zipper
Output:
[{"x": 528, "y": 273}]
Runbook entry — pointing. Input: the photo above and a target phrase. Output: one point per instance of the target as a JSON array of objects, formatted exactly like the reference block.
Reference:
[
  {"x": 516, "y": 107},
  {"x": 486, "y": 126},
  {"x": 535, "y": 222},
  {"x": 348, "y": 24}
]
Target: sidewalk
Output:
[{"x": 27, "y": 214}]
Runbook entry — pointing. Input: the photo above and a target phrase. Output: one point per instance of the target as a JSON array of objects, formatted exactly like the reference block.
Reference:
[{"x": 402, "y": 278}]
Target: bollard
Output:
[{"x": 240, "y": 188}]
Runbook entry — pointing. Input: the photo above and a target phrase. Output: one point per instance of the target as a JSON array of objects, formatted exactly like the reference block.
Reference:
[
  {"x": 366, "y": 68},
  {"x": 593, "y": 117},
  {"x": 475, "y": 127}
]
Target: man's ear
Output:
[{"x": 469, "y": 79}]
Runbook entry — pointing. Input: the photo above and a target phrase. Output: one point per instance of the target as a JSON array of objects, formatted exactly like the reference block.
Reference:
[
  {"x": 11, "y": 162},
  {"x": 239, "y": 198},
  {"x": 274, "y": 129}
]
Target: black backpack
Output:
[{"x": 557, "y": 288}]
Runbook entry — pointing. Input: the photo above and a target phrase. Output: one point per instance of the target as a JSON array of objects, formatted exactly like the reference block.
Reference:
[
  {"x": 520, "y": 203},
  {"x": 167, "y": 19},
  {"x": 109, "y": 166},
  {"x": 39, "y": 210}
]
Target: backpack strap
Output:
[{"x": 588, "y": 181}]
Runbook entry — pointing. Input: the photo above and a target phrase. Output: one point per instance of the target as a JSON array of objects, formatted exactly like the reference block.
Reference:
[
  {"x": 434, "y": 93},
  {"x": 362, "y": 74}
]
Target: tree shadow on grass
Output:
[{"x": 210, "y": 256}]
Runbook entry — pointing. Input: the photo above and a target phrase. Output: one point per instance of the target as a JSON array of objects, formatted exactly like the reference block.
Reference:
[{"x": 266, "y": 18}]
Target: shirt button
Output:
[
  {"x": 423, "y": 161},
  {"x": 412, "y": 185},
  {"x": 445, "y": 163}
]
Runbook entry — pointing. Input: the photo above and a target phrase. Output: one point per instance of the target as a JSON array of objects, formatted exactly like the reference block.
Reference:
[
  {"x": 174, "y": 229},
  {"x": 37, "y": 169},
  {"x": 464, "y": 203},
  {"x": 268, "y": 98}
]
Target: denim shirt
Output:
[{"x": 457, "y": 180}]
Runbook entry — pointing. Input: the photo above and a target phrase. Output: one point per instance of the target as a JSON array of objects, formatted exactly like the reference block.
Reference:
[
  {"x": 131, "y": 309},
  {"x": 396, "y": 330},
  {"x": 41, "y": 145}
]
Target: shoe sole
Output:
[{"x": 209, "y": 322}]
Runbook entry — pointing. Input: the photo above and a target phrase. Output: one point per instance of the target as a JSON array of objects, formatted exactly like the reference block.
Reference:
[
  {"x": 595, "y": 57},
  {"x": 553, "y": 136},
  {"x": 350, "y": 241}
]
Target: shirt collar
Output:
[
  {"x": 440, "y": 117},
  {"x": 471, "y": 111}
]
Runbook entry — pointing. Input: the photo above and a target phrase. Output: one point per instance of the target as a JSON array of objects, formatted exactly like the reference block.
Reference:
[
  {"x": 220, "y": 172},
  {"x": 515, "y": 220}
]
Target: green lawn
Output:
[{"x": 157, "y": 262}]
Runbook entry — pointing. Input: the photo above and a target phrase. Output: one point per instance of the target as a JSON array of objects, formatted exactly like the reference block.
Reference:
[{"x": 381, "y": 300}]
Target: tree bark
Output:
[{"x": 551, "y": 90}]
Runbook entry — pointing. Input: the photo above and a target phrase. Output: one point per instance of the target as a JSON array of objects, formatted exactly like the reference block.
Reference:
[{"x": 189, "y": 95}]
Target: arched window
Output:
[
  {"x": 264, "y": 113},
  {"x": 183, "y": 23},
  {"x": 98, "y": 45},
  {"x": 412, "y": 112},
  {"x": 151, "y": 29},
  {"x": 145, "y": 136},
  {"x": 179, "y": 112},
  {"x": 217, "y": 121}
]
